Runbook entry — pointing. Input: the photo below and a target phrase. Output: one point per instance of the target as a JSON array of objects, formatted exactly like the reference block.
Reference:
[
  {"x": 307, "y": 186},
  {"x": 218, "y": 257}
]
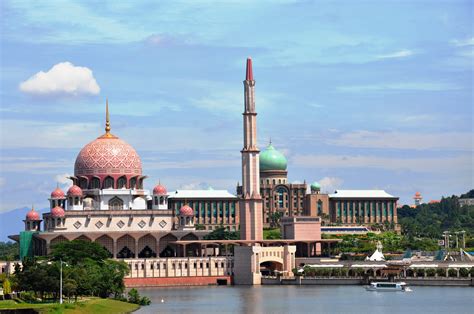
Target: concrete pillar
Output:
[{"x": 114, "y": 249}]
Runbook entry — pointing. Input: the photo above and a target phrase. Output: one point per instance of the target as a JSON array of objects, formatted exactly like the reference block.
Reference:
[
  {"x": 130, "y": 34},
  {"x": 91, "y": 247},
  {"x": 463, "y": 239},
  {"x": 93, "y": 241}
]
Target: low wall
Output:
[
  {"x": 176, "y": 281},
  {"x": 465, "y": 282}
]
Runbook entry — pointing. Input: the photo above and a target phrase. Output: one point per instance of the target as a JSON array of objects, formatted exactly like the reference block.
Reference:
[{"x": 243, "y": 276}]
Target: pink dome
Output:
[
  {"x": 74, "y": 191},
  {"x": 159, "y": 190},
  {"x": 57, "y": 211},
  {"x": 108, "y": 155},
  {"x": 57, "y": 193},
  {"x": 186, "y": 211},
  {"x": 33, "y": 215}
]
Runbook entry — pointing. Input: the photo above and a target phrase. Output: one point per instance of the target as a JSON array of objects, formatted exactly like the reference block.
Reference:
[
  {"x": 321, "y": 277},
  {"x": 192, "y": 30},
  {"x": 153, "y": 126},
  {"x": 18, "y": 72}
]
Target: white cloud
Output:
[
  {"x": 195, "y": 186},
  {"x": 463, "y": 42},
  {"x": 63, "y": 180},
  {"x": 2, "y": 182},
  {"x": 404, "y": 140},
  {"x": 398, "y": 54},
  {"x": 330, "y": 184},
  {"x": 62, "y": 79}
]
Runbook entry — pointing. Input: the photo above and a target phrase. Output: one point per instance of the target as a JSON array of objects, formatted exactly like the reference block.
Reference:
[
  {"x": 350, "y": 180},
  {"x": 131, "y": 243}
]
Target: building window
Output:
[
  {"x": 121, "y": 183},
  {"x": 115, "y": 203},
  {"x": 320, "y": 208},
  {"x": 95, "y": 183},
  {"x": 281, "y": 197},
  {"x": 109, "y": 183},
  {"x": 133, "y": 183}
]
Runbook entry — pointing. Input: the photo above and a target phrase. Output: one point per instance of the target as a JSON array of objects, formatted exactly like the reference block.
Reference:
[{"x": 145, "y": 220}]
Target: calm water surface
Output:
[{"x": 307, "y": 299}]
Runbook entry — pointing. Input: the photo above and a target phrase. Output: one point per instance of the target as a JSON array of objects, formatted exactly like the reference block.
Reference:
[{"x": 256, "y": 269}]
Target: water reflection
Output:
[{"x": 307, "y": 299}]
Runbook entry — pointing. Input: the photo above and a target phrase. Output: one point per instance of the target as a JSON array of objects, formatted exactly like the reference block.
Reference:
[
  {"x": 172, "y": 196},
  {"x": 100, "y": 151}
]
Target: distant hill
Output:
[{"x": 11, "y": 222}]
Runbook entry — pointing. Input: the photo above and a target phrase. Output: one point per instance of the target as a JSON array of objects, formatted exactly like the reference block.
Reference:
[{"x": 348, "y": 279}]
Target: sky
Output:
[{"x": 356, "y": 94}]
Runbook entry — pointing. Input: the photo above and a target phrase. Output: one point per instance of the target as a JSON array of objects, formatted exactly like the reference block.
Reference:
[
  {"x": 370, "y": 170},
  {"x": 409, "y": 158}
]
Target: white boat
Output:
[{"x": 388, "y": 286}]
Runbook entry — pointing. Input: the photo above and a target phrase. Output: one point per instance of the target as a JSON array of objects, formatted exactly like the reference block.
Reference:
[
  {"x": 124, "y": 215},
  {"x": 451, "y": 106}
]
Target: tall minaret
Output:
[{"x": 251, "y": 224}]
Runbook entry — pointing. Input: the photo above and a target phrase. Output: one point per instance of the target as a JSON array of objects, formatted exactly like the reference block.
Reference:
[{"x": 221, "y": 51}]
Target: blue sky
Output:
[{"x": 357, "y": 94}]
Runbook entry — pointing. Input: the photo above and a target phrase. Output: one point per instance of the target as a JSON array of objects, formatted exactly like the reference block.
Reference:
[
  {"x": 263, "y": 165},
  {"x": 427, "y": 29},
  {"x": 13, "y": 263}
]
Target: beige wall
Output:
[{"x": 180, "y": 267}]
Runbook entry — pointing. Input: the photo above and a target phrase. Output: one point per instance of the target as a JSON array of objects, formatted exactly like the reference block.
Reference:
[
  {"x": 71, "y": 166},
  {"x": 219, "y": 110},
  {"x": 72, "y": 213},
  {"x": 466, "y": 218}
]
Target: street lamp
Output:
[{"x": 60, "y": 279}]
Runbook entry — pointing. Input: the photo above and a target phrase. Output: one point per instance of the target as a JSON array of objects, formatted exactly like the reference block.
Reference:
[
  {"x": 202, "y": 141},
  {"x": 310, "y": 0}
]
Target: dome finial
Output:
[{"x": 107, "y": 118}]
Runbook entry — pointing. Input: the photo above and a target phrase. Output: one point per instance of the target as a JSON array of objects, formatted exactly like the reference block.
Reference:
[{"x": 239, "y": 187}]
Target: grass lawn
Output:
[{"x": 93, "y": 305}]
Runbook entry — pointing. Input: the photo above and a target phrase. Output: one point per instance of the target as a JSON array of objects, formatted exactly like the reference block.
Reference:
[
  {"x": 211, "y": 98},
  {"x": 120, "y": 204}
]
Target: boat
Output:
[{"x": 388, "y": 286}]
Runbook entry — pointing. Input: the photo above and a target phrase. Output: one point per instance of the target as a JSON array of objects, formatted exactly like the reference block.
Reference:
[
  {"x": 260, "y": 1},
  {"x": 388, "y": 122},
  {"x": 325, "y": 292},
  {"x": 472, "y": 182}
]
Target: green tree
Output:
[
  {"x": 222, "y": 233},
  {"x": 76, "y": 251},
  {"x": 7, "y": 289}
]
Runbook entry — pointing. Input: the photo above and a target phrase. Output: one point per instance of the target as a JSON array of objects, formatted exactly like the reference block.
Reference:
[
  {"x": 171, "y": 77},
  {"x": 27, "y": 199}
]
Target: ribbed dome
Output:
[
  {"x": 33, "y": 215},
  {"x": 74, "y": 191},
  {"x": 57, "y": 211},
  {"x": 186, "y": 211},
  {"x": 271, "y": 159},
  {"x": 57, "y": 193},
  {"x": 108, "y": 155},
  {"x": 159, "y": 190}
]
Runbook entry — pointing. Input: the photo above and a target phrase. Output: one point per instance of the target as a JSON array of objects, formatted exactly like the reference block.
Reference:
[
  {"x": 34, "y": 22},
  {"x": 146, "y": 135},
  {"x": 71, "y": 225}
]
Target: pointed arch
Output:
[
  {"x": 126, "y": 247},
  {"x": 166, "y": 248},
  {"x": 147, "y": 246},
  {"x": 57, "y": 240},
  {"x": 122, "y": 182},
  {"x": 108, "y": 183},
  {"x": 107, "y": 243},
  {"x": 83, "y": 238},
  {"x": 115, "y": 203},
  {"x": 94, "y": 183}
]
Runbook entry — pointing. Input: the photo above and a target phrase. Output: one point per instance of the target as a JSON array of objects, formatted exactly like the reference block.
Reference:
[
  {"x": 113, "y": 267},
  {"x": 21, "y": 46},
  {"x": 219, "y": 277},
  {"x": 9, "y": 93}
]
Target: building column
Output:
[
  {"x": 114, "y": 249},
  {"x": 136, "y": 248}
]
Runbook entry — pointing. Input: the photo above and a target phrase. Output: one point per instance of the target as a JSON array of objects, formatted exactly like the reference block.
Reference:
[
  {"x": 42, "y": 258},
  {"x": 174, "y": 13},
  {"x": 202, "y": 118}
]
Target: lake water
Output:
[{"x": 307, "y": 299}]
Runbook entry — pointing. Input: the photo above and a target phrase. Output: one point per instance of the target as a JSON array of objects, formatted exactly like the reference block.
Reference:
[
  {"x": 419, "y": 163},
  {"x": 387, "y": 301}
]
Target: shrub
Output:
[
  {"x": 452, "y": 272},
  {"x": 420, "y": 272},
  {"x": 336, "y": 272},
  {"x": 463, "y": 272},
  {"x": 430, "y": 272},
  {"x": 472, "y": 271},
  {"x": 134, "y": 297},
  {"x": 28, "y": 296},
  {"x": 441, "y": 272}
]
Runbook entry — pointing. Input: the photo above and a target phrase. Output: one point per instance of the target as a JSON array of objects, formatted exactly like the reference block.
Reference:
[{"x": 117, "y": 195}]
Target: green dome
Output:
[
  {"x": 315, "y": 186},
  {"x": 271, "y": 159}
]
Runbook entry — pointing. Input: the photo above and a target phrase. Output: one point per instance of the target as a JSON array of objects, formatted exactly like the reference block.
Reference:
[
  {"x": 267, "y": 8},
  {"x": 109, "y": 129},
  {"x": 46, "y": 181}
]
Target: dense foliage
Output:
[
  {"x": 86, "y": 272},
  {"x": 222, "y": 233},
  {"x": 9, "y": 251},
  {"x": 430, "y": 220},
  {"x": 391, "y": 242}
]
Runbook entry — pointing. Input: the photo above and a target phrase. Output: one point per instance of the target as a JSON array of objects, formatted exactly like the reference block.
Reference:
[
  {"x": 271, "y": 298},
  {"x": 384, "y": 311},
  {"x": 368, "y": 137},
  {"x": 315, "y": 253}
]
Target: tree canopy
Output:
[{"x": 86, "y": 271}]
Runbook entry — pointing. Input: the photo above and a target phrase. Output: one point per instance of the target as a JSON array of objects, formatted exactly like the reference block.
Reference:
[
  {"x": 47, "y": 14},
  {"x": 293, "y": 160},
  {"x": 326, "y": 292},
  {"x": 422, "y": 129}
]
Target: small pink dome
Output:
[
  {"x": 74, "y": 191},
  {"x": 57, "y": 193},
  {"x": 159, "y": 190},
  {"x": 186, "y": 211},
  {"x": 57, "y": 211},
  {"x": 33, "y": 215}
]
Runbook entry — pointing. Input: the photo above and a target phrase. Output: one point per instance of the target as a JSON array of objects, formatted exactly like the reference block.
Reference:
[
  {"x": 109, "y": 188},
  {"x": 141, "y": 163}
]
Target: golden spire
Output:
[{"x": 107, "y": 120}]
